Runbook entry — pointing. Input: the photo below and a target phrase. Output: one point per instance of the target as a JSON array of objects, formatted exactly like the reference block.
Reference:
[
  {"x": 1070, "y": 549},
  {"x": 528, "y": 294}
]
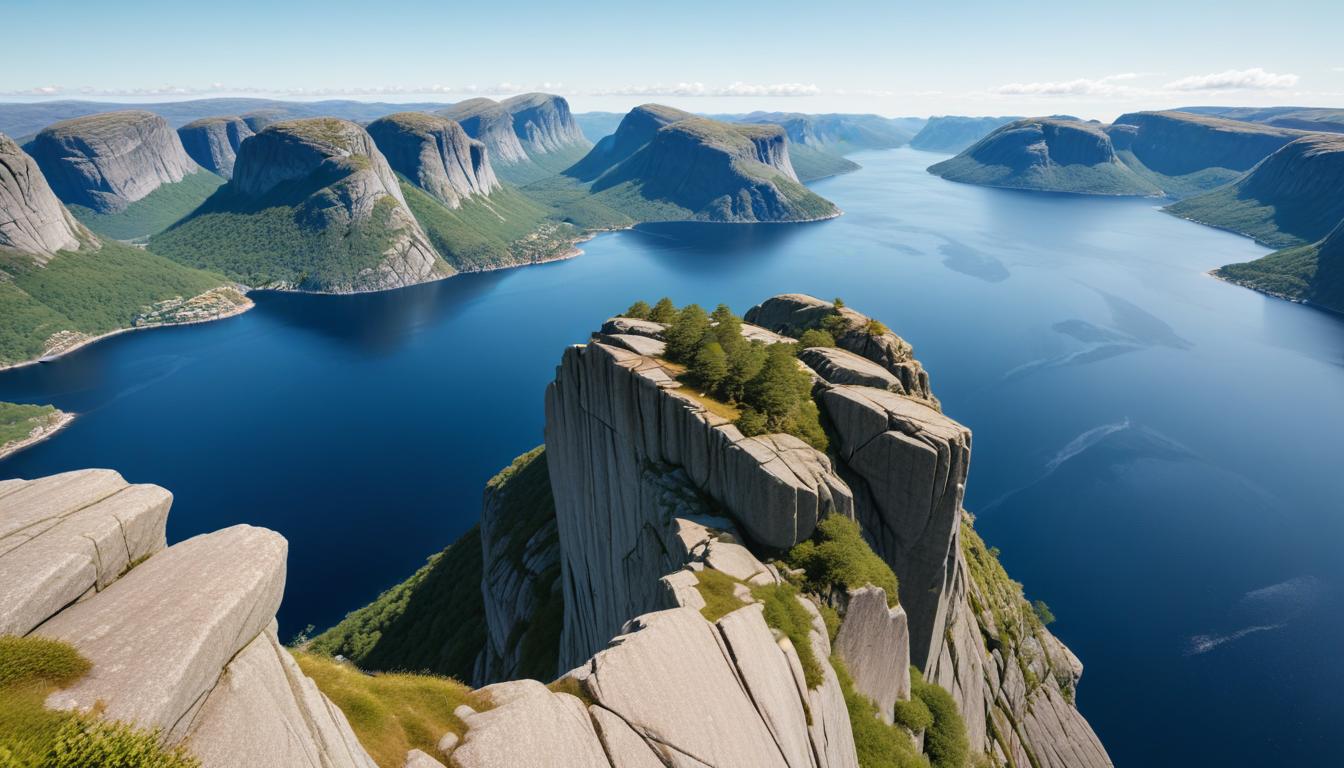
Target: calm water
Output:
[{"x": 1156, "y": 452}]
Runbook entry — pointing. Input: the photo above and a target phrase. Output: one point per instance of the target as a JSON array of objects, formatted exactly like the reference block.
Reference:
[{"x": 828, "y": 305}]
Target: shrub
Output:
[
  {"x": 640, "y": 310},
  {"x": 815, "y": 337},
  {"x": 875, "y": 328},
  {"x": 786, "y": 614},
  {"x": 664, "y": 311},
  {"x": 751, "y": 422},
  {"x": 30, "y": 660},
  {"x": 1043, "y": 612},
  {"x": 945, "y": 741},
  {"x": 839, "y": 302},
  {"x": 878, "y": 745},
  {"x": 913, "y": 714},
  {"x": 837, "y": 559},
  {"x": 84, "y": 743}
]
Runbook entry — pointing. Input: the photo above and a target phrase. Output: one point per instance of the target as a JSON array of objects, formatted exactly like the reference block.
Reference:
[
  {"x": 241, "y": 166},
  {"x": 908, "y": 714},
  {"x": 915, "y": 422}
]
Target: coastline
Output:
[{"x": 63, "y": 420}]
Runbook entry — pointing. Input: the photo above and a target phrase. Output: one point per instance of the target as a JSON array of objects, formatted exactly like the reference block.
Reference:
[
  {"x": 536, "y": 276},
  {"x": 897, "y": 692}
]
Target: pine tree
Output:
[
  {"x": 684, "y": 334},
  {"x": 664, "y": 311},
  {"x": 640, "y": 310}
]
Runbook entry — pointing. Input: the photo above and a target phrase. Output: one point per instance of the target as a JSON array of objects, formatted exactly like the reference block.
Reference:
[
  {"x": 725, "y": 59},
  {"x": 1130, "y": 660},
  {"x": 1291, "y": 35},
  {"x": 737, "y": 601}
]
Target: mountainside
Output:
[
  {"x": 745, "y": 600},
  {"x": 124, "y": 174},
  {"x": 213, "y": 142},
  {"x": 32, "y": 220},
  {"x": 1300, "y": 118},
  {"x": 665, "y": 165},
  {"x": 1046, "y": 154},
  {"x": 952, "y": 133},
  {"x": 1291, "y": 198},
  {"x": 529, "y": 137},
  {"x": 60, "y": 287},
  {"x": 1311, "y": 273},
  {"x": 435, "y": 154},
  {"x": 817, "y": 143},
  {"x": 312, "y": 205},
  {"x": 1185, "y": 154}
]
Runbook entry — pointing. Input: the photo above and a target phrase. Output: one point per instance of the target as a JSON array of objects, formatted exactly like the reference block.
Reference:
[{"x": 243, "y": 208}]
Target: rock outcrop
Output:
[
  {"x": 181, "y": 639},
  {"x": 636, "y": 130},
  {"x": 213, "y": 142},
  {"x": 519, "y": 129},
  {"x": 490, "y": 123},
  {"x": 32, "y": 220},
  {"x": 106, "y": 162},
  {"x": 436, "y": 155},
  {"x": 874, "y": 641},
  {"x": 953, "y": 133}
]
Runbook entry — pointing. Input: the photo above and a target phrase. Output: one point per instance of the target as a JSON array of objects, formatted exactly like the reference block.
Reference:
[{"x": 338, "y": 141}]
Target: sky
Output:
[{"x": 1085, "y": 58}]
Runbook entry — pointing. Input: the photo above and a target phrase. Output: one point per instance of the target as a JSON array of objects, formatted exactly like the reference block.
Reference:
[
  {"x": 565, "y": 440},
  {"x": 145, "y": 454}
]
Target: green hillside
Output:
[
  {"x": 153, "y": 213},
  {"x": 1312, "y": 273},
  {"x": 87, "y": 293},
  {"x": 539, "y": 165},
  {"x": 503, "y": 230},
  {"x": 811, "y": 163}
]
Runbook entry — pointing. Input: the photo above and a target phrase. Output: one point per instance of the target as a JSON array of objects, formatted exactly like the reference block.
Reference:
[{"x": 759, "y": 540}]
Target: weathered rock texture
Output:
[
  {"x": 213, "y": 142},
  {"x": 108, "y": 161},
  {"x": 334, "y": 174},
  {"x": 436, "y": 155},
  {"x": 874, "y": 641},
  {"x": 536, "y": 123},
  {"x": 181, "y": 639},
  {"x": 628, "y": 454},
  {"x": 32, "y": 220}
]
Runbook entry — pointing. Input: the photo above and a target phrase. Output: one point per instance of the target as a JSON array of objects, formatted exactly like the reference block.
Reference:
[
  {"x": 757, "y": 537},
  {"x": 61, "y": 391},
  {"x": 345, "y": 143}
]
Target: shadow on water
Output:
[
  {"x": 697, "y": 248},
  {"x": 377, "y": 323}
]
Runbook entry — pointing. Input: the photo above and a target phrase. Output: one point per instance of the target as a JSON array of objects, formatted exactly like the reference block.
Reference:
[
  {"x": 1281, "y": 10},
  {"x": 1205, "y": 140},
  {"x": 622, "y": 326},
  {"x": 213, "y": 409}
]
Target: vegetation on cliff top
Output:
[
  {"x": 837, "y": 559},
  {"x": 392, "y": 713},
  {"x": 782, "y": 612},
  {"x": 32, "y": 736},
  {"x": 765, "y": 381}
]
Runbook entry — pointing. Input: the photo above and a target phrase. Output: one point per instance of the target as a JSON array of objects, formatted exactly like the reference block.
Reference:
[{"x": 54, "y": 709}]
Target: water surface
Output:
[{"x": 1156, "y": 452}]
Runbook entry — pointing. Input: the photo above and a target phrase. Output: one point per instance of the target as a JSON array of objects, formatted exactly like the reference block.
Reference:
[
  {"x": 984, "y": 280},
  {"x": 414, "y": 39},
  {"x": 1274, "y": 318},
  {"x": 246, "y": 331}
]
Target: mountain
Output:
[
  {"x": 817, "y": 143},
  {"x": 663, "y": 164},
  {"x": 530, "y": 136},
  {"x": 748, "y": 600},
  {"x": 952, "y": 133},
  {"x": 60, "y": 287},
  {"x": 1291, "y": 198},
  {"x": 598, "y": 125},
  {"x": 1185, "y": 154},
  {"x": 435, "y": 154},
  {"x": 312, "y": 205},
  {"x": 1312, "y": 273},
  {"x": 213, "y": 142},
  {"x": 1047, "y": 154},
  {"x": 124, "y": 174},
  {"x": 1301, "y": 118}
]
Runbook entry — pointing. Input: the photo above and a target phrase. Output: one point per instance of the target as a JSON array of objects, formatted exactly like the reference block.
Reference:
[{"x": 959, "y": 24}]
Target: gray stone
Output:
[
  {"x": 447, "y": 744},
  {"x": 77, "y": 546},
  {"x": 874, "y": 641},
  {"x": 640, "y": 345},
  {"x": 624, "y": 747},
  {"x": 417, "y": 759},
  {"x": 436, "y": 154},
  {"x": 213, "y": 142},
  {"x": 529, "y": 727},
  {"x": 830, "y": 731},
  {"x": 839, "y": 366},
  {"x": 32, "y": 219},
  {"x": 635, "y": 327},
  {"x": 765, "y": 336},
  {"x": 159, "y": 636}
]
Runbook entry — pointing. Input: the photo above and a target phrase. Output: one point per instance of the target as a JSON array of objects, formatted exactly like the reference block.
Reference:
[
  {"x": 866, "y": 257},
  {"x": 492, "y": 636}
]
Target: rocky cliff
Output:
[
  {"x": 486, "y": 120},
  {"x": 181, "y": 639},
  {"x": 32, "y": 220},
  {"x": 544, "y": 123},
  {"x": 320, "y": 204},
  {"x": 436, "y": 155},
  {"x": 664, "y": 165},
  {"x": 1046, "y": 154},
  {"x": 213, "y": 142},
  {"x": 106, "y": 162},
  {"x": 529, "y": 136},
  {"x": 952, "y": 133}
]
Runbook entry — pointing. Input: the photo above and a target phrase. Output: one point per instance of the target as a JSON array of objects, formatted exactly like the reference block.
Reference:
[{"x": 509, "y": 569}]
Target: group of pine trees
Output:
[{"x": 765, "y": 381}]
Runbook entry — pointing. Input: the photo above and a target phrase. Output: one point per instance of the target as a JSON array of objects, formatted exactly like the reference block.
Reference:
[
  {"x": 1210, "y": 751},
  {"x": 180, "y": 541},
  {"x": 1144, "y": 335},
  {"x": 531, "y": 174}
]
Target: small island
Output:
[{"x": 24, "y": 425}]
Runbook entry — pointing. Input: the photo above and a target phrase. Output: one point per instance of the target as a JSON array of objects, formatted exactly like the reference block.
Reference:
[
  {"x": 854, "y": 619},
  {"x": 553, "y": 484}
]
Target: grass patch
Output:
[
  {"x": 837, "y": 559},
  {"x": 784, "y": 613},
  {"x": 878, "y": 745},
  {"x": 86, "y": 292},
  {"x": 392, "y": 713},
  {"x": 719, "y": 592},
  {"x": 17, "y": 421},
  {"x": 155, "y": 212},
  {"x": 573, "y": 688},
  {"x": 32, "y": 736}
]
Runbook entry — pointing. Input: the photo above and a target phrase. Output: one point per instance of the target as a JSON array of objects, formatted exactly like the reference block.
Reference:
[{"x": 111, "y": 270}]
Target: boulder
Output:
[
  {"x": 32, "y": 220},
  {"x": 529, "y": 727},
  {"x": 78, "y": 540},
  {"x": 909, "y": 464},
  {"x": 159, "y": 636},
  {"x": 633, "y": 326},
  {"x": 213, "y": 142},
  {"x": 839, "y": 366},
  {"x": 874, "y": 641},
  {"x": 624, "y": 747},
  {"x": 640, "y": 345}
]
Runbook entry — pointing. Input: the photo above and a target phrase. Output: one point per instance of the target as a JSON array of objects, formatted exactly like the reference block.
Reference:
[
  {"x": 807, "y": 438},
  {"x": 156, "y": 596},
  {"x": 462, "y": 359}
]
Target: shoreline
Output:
[
  {"x": 53, "y": 356},
  {"x": 63, "y": 420}
]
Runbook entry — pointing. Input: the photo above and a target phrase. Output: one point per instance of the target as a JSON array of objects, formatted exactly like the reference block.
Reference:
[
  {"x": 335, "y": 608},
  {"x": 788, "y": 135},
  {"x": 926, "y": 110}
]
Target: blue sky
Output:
[{"x": 897, "y": 58}]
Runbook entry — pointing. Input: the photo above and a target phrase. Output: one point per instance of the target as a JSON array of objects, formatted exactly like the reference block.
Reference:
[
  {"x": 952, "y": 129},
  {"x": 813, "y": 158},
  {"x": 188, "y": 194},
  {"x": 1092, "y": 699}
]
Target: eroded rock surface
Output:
[
  {"x": 213, "y": 142},
  {"x": 436, "y": 155},
  {"x": 874, "y": 641},
  {"x": 32, "y": 219}
]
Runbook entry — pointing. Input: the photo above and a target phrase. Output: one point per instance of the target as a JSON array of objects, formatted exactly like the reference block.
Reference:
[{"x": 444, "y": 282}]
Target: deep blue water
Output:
[{"x": 1156, "y": 453}]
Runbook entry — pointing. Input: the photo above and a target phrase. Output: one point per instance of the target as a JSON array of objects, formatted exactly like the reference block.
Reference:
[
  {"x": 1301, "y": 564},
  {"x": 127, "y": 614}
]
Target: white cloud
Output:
[
  {"x": 700, "y": 89},
  {"x": 1254, "y": 79},
  {"x": 1104, "y": 86}
]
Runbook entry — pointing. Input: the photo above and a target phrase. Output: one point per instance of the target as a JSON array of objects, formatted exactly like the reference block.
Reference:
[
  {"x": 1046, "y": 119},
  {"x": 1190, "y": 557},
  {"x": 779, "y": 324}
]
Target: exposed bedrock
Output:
[
  {"x": 436, "y": 155},
  {"x": 108, "y": 161},
  {"x": 32, "y": 220},
  {"x": 213, "y": 142}
]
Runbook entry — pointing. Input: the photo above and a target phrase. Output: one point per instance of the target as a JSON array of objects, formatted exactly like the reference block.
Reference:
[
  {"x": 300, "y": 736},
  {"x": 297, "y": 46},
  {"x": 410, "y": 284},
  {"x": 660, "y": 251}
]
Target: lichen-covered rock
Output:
[
  {"x": 159, "y": 636},
  {"x": 874, "y": 641},
  {"x": 436, "y": 155},
  {"x": 616, "y": 433},
  {"x": 32, "y": 220},
  {"x": 213, "y": 142},
  {"x": 909, "y": 465},
  {"x": 81, "y": 531},
  {"x": 110, "y": 160}
]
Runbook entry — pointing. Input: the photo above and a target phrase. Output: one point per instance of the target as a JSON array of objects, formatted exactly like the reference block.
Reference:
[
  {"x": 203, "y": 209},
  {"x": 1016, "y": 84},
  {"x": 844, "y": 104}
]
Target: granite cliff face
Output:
[
  {"x": 436, "y": 155},
  {"x": 106, "y": 162},
  {"x": 486, "y": 120},
  {"x": 952, "y": 133},
  {"x": 529, "y": 136},
  {"x": 32, "y": 220},
  {"x": 213, "y": 142},
  {"x": 181, "y": 638},
  {"x": 543, "y": 122},
  {"x": 635, "y": 130}
]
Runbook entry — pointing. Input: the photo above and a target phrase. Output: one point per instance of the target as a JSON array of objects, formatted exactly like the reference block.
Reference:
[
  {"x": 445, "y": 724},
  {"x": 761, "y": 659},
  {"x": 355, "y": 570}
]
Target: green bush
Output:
[
  {"x": 1043, "y": 612},
  {"x": 837, "y": 559},
  {"x": 640, "y": 310},
  {"x": 913, "y": 714},
  {"x": 945, "y": 741},
  {"x": 719, "y": 592},
  {"x": 878, "y": 745},
  {"x": 815, "y": 337},
  {"x": 88, "y": 743},
  {"x": 786, "y": 614},
  {"x": 664, "y": 311}
]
